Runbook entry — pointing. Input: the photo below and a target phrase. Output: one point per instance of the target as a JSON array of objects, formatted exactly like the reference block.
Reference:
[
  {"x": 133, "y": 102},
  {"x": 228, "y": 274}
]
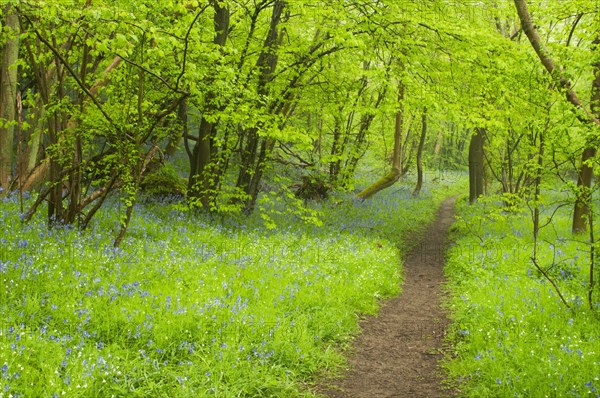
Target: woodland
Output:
[{"x": 204, "y": 197}]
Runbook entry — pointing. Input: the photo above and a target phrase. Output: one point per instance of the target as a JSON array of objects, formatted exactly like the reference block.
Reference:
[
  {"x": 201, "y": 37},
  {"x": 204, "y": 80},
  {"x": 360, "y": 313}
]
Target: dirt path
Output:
[{"x": 398, "y": 351}]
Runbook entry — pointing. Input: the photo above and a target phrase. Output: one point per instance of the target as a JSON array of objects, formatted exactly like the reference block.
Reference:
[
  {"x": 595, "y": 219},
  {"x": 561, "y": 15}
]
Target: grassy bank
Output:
[{"x": 513, "y": 337}]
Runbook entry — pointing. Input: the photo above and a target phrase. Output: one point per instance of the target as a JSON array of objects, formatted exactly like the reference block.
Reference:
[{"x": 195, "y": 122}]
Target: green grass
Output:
[
  {"x": 512, "y": 335},
  {"x": 190, "y": 306}
]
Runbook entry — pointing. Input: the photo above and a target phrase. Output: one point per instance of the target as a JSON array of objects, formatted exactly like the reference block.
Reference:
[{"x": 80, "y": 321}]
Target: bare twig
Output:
[
  {"x": 533, "y": 259},
  {"x": 185, "y": 49}
]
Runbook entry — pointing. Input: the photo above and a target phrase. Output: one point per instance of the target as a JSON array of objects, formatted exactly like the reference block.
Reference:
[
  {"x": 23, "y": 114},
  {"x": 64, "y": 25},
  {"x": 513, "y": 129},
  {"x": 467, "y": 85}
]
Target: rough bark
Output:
[{"x": 8, "y": 96}]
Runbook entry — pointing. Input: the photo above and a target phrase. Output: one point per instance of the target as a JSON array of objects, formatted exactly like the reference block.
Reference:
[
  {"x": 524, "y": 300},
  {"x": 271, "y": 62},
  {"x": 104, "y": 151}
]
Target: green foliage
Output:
[
  {"x": 193, "y": 306},
  {"x": 165, "y": 181},
  {"x": 511, "y": 334},
  {"x": 314, "y": 186}
]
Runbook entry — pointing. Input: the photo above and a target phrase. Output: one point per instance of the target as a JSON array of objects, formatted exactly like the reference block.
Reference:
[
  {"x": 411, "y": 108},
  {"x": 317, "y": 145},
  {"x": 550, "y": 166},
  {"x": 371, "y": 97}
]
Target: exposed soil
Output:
[{"x": 398, "y": 351}]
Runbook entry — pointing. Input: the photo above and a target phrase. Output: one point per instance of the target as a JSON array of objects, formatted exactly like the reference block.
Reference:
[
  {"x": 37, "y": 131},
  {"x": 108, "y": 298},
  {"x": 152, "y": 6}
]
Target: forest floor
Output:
[{"x": 398, "y": 351}]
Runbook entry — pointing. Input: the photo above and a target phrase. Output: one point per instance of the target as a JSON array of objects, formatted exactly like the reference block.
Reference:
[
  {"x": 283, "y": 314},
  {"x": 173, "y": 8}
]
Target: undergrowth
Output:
[
  {"x": 512, "y": 335},
  {"x": 191, "y": 305}
]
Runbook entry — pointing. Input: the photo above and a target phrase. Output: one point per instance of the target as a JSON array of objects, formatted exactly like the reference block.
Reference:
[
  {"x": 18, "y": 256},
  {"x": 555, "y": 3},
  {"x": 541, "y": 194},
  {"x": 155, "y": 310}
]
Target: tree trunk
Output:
[
  {"x": 437, "y": 150},
  {"x": 581, "y": 209},
  {"x": 55, "y": 205},
  {"x": 251, "y": 160},
  {"x": 407, "y": 148},
  {"x": 584, "y": 182},
  {"x": 358, "y": 148},
  {"x": 201, "y": 182},
  {"x": 547, "y": 62},
  {"x": 476, "y": 165},
  {"x": 265, "y": 151},
  {"x": 395, "y": 174},
  {"x": 32, "y": 148},
  {"x": 201, "y": 157},
  {"x": 334, "y": 166},
  {"x": 399, "y": 122},
  {"x": 420, "y": 153},
  {"x": 8, "y": 96}
]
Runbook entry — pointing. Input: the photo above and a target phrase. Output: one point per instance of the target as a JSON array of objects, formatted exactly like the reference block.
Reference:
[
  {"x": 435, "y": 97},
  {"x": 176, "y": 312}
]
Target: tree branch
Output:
[
  {"x": 185, "y": 49},
  {"x": 547, "y": 61},
  {"x": 71, "y": 72},
  {"x": 577, "y": 19}
]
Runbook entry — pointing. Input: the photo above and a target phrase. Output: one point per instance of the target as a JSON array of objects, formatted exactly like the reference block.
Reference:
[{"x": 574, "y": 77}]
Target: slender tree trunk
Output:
[
  {"x": 407, "y": 148},
  {"x": 251, "y": 159},
  {"x": 201, "y": 157},
  {"x": 75, "y": 176},
  {"x": 334, "y": 166},
  {"x": 476, "y": 165},
  {"x": 393, "y": 176},
  {"x": 548, "y": 63},
  {"x": 581, "y": 208},
  {"x": 584, "y": 182},
  {"x": 420, "y": 153},
  {"x": 265, "y": 151},
  {"x": 537, "y": 183},
  {"x": 581, "y": 211},
  {"x": 399, "y": 122},
  {"x": 55, "y": 205},
  {"x": 32, "y": 149},
  {"x": 358, "y": 148},
  {"x": 8, "y": 95},
  {"x": 202, "y": 182},
  {"x": 437, "y": 150},
  {"x": 343, "y": 139}
]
